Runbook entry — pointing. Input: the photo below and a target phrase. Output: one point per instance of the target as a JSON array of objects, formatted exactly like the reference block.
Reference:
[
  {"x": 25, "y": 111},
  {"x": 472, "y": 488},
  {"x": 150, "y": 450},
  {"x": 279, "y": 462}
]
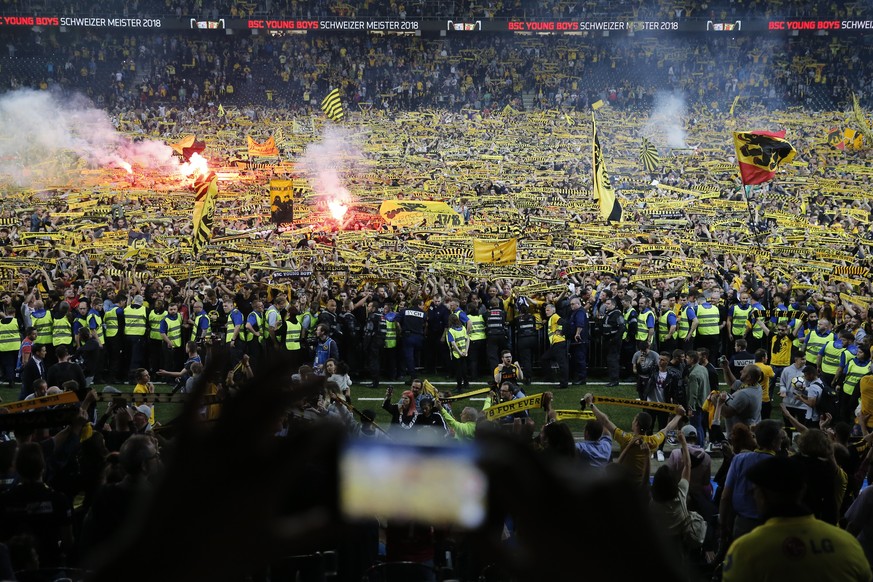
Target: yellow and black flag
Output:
[
  {"x": 649, "y": 157},
  {"x": 495, "y": 252},
  {"x": 332, "y": 106},
  {"x": 759, "y": 153},
  {"x": 860, "y": 118},
  {"x": 610, "y": 209},
  {"x": 206, "y": 188}
]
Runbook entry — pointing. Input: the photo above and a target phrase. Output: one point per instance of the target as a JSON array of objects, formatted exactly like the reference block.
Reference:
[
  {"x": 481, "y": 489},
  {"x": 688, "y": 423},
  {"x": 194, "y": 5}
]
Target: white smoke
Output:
[
  {"x": 47, "y": 135},
  {"x": 666, "y": 124},
  {"x": 331, "y": 162}
]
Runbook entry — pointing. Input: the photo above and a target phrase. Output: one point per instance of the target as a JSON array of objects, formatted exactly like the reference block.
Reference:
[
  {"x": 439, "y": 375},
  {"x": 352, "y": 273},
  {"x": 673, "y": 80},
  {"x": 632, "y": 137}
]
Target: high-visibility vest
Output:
[
  {"x": 10, "y": 338},
  {"x": 478, "y": 328},
  {"x": 195, "y": 331},
  {"x": 135, "y": 321},
  {"x": 460, "y": 337},
  {"x": 555, "y": 330},
  {"x": 390, "y": 334},
  {"x": 627, "y": 317},
  {"x": 62, "y": 332},
  {"x": 830, "y": 360},
  {"x": 155, "y": 320},
  {"x": 174, "y": 330},
  {"x": 82, "y": 322},
  {"x": 98, "y": 325},
  {"x": 272, "y": 309},
  {"x": 757, "y": 331},
  {"x": 739, "y": 319},
  {"x": 293, "y": 334},
  {"x": 228, "y": 333},
  {"x": 682, "y": 323},
  {"x": 110, "y": 318},
  {"x": 259, "y": 327},
  {"x": 44, "y": 327},
  {"x": 707, "y": 320},
  {"x": 814, "y": 344},
  {"x": 643, "y": 325},
  {"x": 854, "y": 373},
  {"x": 664, "y": 326}
]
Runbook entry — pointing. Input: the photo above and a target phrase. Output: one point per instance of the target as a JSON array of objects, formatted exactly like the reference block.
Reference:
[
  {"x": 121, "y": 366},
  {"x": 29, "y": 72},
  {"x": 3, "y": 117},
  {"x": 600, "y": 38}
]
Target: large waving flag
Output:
[
  {"x": 495, "y": 252},
  {"x": 206, "y": 189},
  {"x": 610, "y": 208},
  {"x": 332, "y": 106},
  {"x": 860, "y": 118},
  {"x": 262, "y": 150},
  {"x": 649, "y": 157},
  {"x": 188, "y": 146},
  {"x": 759, "y": 154}
]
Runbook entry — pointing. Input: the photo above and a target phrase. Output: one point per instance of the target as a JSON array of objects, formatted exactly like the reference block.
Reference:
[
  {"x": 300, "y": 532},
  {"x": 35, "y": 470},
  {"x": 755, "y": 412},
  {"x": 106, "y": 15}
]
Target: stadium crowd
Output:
[{"x": 715, "y": 302}]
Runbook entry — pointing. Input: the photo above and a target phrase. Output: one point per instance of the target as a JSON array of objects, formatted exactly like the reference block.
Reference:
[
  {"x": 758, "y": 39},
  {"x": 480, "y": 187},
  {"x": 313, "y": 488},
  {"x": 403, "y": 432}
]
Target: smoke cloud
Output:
[
  {"x": 330, "y": 163},
  {"x": 46, "y": 136},
  {"x": 666, "y": 125}
]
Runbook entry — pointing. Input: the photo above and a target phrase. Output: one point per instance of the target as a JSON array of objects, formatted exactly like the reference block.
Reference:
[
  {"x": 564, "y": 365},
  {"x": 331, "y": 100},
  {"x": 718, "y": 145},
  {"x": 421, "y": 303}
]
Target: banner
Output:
[
  {"x": 262, "y": 150},
  {"x": 332, "y": 106},
  {"x": 41, "y": 402},
  {"x": 513, "y": 406},
  {"x": 759, "y": 154},
  {"x": 574, "y": 415},
  {"x": 630, "y": 403},
  {"x": 416, "y": 213},
  {"x": 206, "y": 188},
  {"x": 835, "y": 138},
  {"x": 281, "y": 202},
  {"x": 610, "y": 209},
  {"x": 464, "y": 395},
  {"x": 649, "y": 157},
  {"x": 495, "y": 252}
]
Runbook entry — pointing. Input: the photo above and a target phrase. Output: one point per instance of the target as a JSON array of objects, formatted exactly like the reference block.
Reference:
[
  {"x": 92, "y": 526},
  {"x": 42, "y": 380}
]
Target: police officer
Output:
[
  {"x": 375, "y": 331},
  {"x": 496, "y": 339},
  {"x": 525, "y": 339},
  {"x": 411, "y": 320},
  {"x": 612, "y": 330},
  {"x": 435, "y": 352}
]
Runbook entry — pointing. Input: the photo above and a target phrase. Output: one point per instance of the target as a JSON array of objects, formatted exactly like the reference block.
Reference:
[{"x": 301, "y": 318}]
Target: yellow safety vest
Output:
[
  {"x": 135, "y": 321},
  {"x": 830, "y": 360},
  {"x": 460, "y": 337},
  {"x": 195, "y": 331},
  {"x": 110, "y": 318},
  {"x": 707, "y": 317},
  {"x": 62, "y": 332},
  {"x": 155, "y": 320},
  {"x": 739, "y": 319},
  {"x": 854, "y": 373},
  {"x": 814, "y": 345},
  {"x": 228, "y": 334},
  {"x": 391, "y": 335},
  {"x": 664, "y": 326},
  {"x": 643, "y": 325},
  {"x": 556, "y": 332},
  {"x": 627, "y": 318},
  {"x": 10, "y": 339},
  {"x": 682, "y": 323},
  {"x": 43, "y": 327},
  {"x": 174, "y": 330},
  {"x": 293, "y": 334},
  {"x": 478, "y": 330},
  {"x": 99, "y": 324},
  {"x": 259, "y": 327}
]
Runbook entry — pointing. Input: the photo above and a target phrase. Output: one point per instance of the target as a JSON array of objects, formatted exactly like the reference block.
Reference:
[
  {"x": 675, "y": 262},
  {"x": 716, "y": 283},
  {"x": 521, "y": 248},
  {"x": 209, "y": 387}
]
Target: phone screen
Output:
[{"x": 434, "y": 484}]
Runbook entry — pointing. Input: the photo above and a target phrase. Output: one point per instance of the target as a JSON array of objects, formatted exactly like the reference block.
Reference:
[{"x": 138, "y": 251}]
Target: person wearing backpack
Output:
[{"x": 810, "y": 396}]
